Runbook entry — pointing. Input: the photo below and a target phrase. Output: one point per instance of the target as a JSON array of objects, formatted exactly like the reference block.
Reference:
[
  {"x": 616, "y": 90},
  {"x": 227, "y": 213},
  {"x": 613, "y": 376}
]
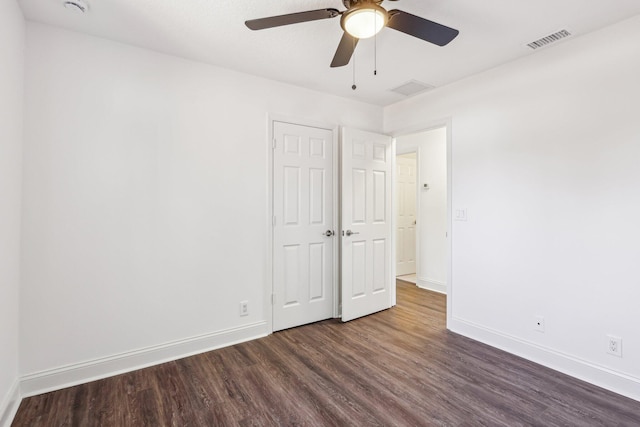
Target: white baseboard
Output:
[
  {"x": 10, "y": 404},
  {"x": 79, "y": 373},
  {"x": 600, "y": 376},
  {"x": 432, "y": 285}
]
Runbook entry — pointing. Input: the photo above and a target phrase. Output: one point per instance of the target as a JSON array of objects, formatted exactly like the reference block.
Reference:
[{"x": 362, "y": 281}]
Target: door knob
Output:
[
  {"x": 349, "y": 232},
  {"x": 328, "y": 233}
]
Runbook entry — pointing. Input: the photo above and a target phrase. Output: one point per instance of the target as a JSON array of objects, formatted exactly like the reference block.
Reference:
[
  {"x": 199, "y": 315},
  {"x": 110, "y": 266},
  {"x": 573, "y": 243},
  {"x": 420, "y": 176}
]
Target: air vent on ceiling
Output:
[
  {"x": 551, "y": 38},
  {"x": 413, "y": 87}
]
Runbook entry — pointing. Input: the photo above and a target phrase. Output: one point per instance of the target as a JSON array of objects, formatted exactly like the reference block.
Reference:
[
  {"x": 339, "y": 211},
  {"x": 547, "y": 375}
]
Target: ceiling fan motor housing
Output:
[
  {"x": 351, "y": 3},
  {"x": 364, "y": 19}
]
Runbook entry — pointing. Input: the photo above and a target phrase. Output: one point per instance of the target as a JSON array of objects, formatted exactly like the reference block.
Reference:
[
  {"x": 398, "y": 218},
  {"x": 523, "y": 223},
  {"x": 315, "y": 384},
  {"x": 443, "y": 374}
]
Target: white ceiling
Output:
[{"x": 492, "y": 32}]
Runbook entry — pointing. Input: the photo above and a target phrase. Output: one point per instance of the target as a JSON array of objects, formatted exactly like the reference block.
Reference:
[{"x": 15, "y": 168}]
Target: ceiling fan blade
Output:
[
  {"x": 345, "y": 50},
  {"x": 421, "y": 28},
  {"x": 291, "y": 18}
]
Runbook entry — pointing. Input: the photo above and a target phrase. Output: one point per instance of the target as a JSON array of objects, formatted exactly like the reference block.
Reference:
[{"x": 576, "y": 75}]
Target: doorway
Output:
[
  {"x": 430, "y": 188},
  {"x": 406, "y": 167}
]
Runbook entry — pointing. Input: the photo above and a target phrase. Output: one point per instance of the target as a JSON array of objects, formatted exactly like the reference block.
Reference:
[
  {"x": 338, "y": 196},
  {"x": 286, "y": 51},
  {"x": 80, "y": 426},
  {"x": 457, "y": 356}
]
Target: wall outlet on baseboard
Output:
[
  {"x": 614, "y": 345},
  {"x": 244, "y": 308},
  {"x": 539, "y": 323}
]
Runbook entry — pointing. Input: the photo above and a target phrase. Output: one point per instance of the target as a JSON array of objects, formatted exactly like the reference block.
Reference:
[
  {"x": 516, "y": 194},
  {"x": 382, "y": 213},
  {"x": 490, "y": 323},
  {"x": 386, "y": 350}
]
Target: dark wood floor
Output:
[{"x": 399, "y": 367}]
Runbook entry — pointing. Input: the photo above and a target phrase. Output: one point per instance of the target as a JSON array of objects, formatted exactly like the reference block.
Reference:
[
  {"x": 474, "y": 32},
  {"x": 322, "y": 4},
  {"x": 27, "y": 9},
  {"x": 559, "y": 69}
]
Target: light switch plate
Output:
[{"x": 461, "y": 215}]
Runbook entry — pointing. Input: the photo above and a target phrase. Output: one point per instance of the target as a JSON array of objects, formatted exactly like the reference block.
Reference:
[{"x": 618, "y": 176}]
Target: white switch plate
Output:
[{"x": 461, "y": 215}]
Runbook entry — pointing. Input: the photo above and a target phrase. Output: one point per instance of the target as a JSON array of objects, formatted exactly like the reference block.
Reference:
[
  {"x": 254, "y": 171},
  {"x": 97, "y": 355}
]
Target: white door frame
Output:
[
  {"x": 437, "y": 124},
  {"x": 268, "y": 288}
]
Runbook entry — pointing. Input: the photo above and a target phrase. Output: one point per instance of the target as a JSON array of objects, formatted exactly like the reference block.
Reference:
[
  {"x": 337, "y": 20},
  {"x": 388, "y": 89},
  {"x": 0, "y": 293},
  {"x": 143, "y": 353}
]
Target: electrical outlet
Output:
[
  {"x": 614, "y": 345},
  {"x": 244, "y": 308},
  {"x": 539, "y": 324}
]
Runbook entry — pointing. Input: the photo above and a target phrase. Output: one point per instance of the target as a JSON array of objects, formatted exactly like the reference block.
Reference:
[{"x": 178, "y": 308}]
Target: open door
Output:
[{"x": 366, "y": 223}]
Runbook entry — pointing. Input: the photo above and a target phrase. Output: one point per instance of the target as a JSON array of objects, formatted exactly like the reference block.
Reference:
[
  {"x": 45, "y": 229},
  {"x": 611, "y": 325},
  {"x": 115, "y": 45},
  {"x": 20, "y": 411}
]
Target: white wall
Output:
[
  {"x": 12, "y": 47},
  {"x": 145, "y": 203},
  {"x": 545, "y": 159},
  {"x": 431, "y": 241}
]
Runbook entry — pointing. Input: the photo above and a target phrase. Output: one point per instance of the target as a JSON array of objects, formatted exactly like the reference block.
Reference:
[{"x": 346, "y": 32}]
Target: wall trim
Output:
[
  {"x": 83, "y": 372},
  {"x": 10, "y": 404},
  {"x": 601, "y": 376},
  {"x": 432, "y": 285}
]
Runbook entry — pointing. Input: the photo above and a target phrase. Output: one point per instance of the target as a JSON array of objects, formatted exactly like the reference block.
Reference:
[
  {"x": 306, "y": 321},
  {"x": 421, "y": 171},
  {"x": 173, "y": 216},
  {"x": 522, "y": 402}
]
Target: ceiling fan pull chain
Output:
[
  {"x": 375, "y": 48},
  {"x": 354, "y": 66}
]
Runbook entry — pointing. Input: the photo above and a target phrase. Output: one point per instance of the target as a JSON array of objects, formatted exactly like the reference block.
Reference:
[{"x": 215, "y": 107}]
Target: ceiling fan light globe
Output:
[{"x": 364, "y": 22}]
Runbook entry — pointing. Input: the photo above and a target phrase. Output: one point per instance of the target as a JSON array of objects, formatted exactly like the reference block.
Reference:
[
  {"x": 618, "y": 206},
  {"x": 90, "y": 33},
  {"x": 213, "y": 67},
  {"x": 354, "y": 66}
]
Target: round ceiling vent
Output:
[{"x": 78, "y": 6}]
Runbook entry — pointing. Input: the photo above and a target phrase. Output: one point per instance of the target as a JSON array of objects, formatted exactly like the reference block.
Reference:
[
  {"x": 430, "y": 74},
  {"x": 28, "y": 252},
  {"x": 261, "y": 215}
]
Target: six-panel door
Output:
[
  {"x": 405, "y": 215},
  {"x": 303, "y": 214},
  {"x": 366, "y": 223}
]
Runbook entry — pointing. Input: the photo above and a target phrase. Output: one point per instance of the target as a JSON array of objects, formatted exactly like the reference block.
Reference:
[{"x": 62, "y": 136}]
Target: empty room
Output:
[{"x": 319, "y": 212}]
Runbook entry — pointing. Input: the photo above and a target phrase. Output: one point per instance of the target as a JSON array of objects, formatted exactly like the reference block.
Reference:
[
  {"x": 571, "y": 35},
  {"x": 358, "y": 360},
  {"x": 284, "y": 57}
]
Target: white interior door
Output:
[
  {"x": 366, "y": 223},
  {"x": 303, "y": 240},
  {"x": 405, "y": 215}
]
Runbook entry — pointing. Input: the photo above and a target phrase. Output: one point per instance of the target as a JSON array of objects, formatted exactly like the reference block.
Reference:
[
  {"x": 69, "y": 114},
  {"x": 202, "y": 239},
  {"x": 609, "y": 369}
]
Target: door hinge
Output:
[
  {"x": 273, "y": 221},
  {"x": 273, "y": 299},
  {"x": 274, "y": 143}
]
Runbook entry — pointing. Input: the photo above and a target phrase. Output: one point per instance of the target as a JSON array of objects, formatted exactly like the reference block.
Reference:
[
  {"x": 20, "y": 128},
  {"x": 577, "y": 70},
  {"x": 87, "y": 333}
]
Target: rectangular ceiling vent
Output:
[
  {"x": 412, "y": 87},
  {"x": 551, "y": 38}
]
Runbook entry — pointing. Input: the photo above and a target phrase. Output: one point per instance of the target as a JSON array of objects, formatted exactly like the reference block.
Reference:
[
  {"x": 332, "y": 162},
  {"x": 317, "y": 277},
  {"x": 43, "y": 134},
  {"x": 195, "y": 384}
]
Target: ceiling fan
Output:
[{"x": 361, "y": 20}]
